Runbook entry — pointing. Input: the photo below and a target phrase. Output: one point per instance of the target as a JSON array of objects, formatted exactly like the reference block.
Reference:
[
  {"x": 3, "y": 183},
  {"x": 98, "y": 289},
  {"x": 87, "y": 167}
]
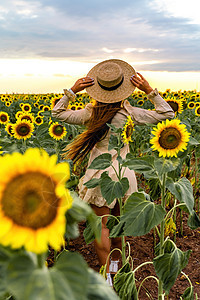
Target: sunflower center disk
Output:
[
  {"x": 169, "y": 138},
  {"x": 129, "y": 130},
  {"x": 3, "y": 118},
  {"x": 30, "y": 200},
  {"x": 58, "y": 130},
  {"x": 23, "y": 130},
  {"x": 173, "y": 105}
]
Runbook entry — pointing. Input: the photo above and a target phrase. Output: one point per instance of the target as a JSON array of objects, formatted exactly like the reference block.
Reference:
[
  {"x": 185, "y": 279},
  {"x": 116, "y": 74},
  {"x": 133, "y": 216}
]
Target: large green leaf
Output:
[
  {"x": 68, "y": 277},
  {"x": 5, "y": 256},
  {"x": 101, "y": 162},
  {"x": 111, "y": 189},
  {"x": 193, "y": 221},
  {"x": 182, "y": 190},
  {"x": 163, "y": 165},
  {"x": 169, "y": 265},
  {"x": 98, "y": 288},
  {"x": 93, "y": 229},
  {"x": 140, "y": 215},
  {"x": 141, "y": 164},
  {"x": 73, "y": 268},
  {"x": 124, "y": 283},
  {"x": 92, "y": 183}
]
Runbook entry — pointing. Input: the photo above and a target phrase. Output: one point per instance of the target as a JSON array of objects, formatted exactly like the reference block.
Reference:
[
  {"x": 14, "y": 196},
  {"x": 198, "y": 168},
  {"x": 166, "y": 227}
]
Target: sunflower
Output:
[
  {"x": 7, "y": 103},
  {"x": 27, "y": 116},
  {"x": 57, "y": 131},
  {"x": 54, "y": 101},
  {"x": 4, "y": 117},
  {"x": 33, "y": 200},
  {"x": 176, "y": 105},
  {"x": 191, "y": 105},
  {"x": 140, "y": 102},
  {"x": 19, "y": 113},
  {"x": 9, "y": 128},
  {"x": 128, "y": 130},
  {"x": 170, "y": 138},
  {"x": 46, "y": 108},
  {"x": 36, "y": 104},
  {"x": 23, "y": 129},
  {"x": 197, "y": 111},
  {"x": 38, "y": 120},
  {"x": 26, "y": 107}
]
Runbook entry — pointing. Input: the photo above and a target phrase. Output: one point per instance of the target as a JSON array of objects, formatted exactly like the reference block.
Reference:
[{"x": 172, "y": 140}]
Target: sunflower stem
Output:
[
  {"x": 40, "y": 260},
  {"x": 162, "y": 230},
  {"x": 23, "y": 145}
]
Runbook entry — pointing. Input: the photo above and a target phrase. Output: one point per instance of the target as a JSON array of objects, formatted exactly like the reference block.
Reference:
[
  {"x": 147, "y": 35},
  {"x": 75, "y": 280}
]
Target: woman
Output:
[{"x": 109, "y": 83}]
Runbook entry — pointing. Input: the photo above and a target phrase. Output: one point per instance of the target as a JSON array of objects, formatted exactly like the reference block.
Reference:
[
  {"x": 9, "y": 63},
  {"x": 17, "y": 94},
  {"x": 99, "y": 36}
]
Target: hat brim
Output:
[{"x": 121, "y": 93}]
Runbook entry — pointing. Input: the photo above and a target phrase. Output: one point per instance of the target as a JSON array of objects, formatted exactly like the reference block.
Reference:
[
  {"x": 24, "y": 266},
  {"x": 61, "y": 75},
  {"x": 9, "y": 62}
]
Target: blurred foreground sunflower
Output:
[
  {"x": 33, "y": 200},
  {"x": 57, "y": 131},
  {"x": 128, "y": 130},
  {"x": 170, "y": 137},
  {"x": 22, "y": 129}
]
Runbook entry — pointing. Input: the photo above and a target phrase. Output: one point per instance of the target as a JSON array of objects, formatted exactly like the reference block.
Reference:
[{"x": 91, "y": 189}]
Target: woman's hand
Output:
[
  {"x": 82, "y": 83},
  {"x": 141, "y": 83}
]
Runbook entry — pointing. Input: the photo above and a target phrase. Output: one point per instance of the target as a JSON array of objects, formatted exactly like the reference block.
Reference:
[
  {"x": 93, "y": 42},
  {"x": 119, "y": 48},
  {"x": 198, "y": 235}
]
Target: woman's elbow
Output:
[
  {"x": 54, "y": 113},
  {"x": 170, "y": 115}
]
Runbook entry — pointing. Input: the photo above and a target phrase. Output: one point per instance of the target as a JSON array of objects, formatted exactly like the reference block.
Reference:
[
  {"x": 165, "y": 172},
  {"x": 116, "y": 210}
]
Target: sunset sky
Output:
[{"x": 46, "y": 44}]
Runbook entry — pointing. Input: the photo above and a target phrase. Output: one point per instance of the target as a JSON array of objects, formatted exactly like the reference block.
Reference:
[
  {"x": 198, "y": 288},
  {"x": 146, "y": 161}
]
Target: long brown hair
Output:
[{"x": 97, "y": 129}]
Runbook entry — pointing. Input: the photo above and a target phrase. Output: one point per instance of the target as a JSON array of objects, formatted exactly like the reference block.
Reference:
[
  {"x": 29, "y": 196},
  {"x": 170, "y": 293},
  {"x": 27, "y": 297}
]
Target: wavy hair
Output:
[{"x": 97, "y": 129}]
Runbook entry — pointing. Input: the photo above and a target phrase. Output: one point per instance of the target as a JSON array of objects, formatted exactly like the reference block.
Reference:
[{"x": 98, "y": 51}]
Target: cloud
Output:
[{"x": 91, "y": 31}]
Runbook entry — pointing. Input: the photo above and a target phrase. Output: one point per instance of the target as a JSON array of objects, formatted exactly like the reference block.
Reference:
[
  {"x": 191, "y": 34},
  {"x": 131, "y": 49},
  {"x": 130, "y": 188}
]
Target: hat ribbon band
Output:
[{"x": 112, "y": 88}]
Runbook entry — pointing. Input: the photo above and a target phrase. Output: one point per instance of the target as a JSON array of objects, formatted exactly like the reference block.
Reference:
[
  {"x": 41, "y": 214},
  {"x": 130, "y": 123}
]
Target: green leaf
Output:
[
  {"x": 101, "y": 162},
  {"x": 193, "y": 221},
  {"x": 124, "y": 283},
  {"x": 188, "y": 294},
  {"x": 111, "y": 222},
  {"x": 140, "y": 165},
  {"x": 140, "y": 215},
  {"x": 114, "y": 128},
  {"x": 93, "y": 229},
  {"x": 169, "y": 265},
  {"x": 163, "y": 165},
  {"x": 193, "y": 142},
  {"x": 73, "y": 268},
  {"x": 113, "y": 189},
  {"x": 117, "y": 230},
  {"x": 92, "y": 183},
  {"x": 67, "y": 277},
  {"x": 80, "y": 211},
  {"x": 182, "y": 190},
  {"x": 113, "y": 142},
  {"x": 98, "y": 289}
]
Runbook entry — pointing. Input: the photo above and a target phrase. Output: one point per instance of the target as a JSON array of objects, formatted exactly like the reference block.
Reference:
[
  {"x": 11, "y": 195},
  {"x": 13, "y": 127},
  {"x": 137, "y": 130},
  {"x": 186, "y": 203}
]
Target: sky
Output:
[{"x": 46, "y": 45}]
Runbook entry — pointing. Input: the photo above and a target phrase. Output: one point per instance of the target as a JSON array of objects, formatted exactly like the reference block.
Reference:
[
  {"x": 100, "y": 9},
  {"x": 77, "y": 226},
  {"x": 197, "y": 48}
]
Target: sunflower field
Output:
[{"x": 40, "y": 210}]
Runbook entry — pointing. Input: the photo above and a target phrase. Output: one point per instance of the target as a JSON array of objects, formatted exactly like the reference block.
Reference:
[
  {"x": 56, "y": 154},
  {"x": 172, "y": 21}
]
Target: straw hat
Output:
[{"x": 112, "y": 81}]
